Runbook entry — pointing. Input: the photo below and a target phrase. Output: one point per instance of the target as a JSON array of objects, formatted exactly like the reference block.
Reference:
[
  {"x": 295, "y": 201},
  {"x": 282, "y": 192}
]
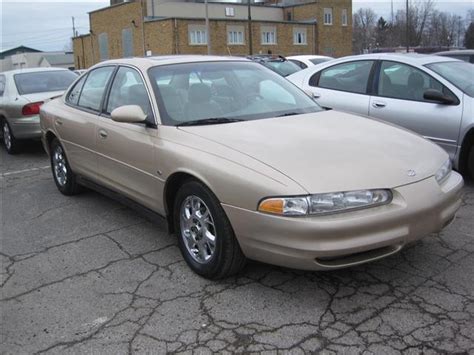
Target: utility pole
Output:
[
  {"x": 73, "y": 28},
  {"x": 250, "y": 27},
  {"x": 392, "y": 13},
  {"x": 208, "y": 34},
  {"x": 408, "y": 29}
]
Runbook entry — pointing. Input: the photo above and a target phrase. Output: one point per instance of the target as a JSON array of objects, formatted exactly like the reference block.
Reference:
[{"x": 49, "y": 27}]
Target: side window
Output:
[
  {"x": 128, "y": 89},
  {"x": 401, "y": 81},
  {"x": 94, "y": 88},
  {"x": 351, "y": 77},
  {"x": 2, "y": 84},
  {"x": 73, "y": 96}
]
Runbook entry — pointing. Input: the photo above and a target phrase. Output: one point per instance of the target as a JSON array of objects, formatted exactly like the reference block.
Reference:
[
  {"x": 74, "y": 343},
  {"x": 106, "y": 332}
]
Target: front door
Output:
[
  {"x": 126, "y": 154},
  {"x": 399, "y": 99}
]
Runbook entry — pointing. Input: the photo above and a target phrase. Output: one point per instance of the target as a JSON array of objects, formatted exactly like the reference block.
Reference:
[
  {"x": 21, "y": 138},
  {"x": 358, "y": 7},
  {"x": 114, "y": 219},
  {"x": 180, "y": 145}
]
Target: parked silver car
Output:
[
  {"x": 22, "y": 92},
  {"x": 431, "y": 95}
]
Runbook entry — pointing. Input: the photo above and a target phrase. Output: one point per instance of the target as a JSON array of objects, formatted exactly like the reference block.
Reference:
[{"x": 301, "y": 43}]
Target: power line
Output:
[{"x": 50, "y": 30}]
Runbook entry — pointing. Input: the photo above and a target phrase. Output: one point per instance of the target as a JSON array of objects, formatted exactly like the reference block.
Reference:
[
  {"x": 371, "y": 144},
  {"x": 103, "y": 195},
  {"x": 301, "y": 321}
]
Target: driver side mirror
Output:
[
  {"x": 438, "y": 96},
  {"x": 128, "y": 114}
]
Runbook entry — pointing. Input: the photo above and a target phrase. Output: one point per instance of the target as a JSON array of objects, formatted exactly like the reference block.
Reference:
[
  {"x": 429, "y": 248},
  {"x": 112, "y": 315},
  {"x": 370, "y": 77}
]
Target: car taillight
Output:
[{"x": 31, "y": 109}]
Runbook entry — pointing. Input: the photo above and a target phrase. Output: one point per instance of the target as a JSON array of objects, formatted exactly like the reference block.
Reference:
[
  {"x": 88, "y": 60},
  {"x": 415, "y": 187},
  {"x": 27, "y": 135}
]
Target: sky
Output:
[{"x": 47, "y": 25}]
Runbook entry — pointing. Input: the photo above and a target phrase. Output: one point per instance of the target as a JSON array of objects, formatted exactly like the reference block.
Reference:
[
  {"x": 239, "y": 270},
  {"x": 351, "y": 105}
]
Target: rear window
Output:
[
  {"x": 282, "y": 67},
  {"x": 317, "y": 61},
  {"x": 30, "y": 83}
]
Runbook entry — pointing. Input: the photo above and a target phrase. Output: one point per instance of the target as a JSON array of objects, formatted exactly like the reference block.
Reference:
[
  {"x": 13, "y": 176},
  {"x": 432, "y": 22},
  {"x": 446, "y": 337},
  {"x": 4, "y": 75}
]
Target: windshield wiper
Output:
[
  {"x": 289, "y": 114},
  {"x": 209, "y": 121}
]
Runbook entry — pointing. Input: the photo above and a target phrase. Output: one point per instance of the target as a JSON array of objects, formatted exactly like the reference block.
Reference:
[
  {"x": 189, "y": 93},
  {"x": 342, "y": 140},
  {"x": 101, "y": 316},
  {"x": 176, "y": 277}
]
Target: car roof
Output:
[
  {"x": 32, "y": 70},
  {"x": 410, "y": 58},
  {"x": 459, "y": 51},
  {"x": 307, "y": 56},
  {"x": 147, "y": 62}
]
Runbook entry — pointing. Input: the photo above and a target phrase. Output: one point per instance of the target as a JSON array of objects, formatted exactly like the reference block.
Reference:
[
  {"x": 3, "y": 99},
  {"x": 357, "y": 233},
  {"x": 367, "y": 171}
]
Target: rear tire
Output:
[
  {"x": 205, "y": 236},
  {"x": 470, "y": 163},
  {"x": 65, "y": 179},
  {"x": 12, "y": 145}
]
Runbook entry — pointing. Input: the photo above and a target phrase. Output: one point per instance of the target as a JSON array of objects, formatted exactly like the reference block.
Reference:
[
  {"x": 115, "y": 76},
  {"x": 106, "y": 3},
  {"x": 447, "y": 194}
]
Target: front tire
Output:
[
  {"x": 12, "y": 145},
  {"x": 205, "y": 236},
  {"x": 63, "y": 176}
]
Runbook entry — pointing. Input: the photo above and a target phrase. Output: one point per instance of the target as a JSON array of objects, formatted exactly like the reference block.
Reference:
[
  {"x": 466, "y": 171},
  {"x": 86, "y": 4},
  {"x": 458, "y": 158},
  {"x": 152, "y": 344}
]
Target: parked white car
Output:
[
  {"x": 305, "y": 61},
  {"x": 431, "y": 95}
]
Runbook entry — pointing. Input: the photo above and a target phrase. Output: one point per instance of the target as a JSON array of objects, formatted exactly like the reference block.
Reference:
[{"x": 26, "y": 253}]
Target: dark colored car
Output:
[
  {"x": 467, "y": 55},
  {"x": 278, "y": 64}
]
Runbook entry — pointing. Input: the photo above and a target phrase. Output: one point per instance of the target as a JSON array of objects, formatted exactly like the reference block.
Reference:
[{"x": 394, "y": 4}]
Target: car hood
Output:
[{"x": 331, "y": 151}]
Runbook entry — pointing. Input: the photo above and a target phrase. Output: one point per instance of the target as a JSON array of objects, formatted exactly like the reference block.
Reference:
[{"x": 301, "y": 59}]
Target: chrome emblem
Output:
[{"x": 411, "y": 172}]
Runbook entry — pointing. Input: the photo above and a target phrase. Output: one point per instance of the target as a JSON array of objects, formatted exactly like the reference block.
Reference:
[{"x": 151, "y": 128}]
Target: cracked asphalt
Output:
[{"x": 85, "y": 274}]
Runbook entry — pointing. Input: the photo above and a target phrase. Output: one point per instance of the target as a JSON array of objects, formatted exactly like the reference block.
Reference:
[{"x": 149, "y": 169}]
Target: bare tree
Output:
[
  {"x": 364, "y": 28},
  {"x": 427, "y": 27},
  {"x": 469, "y": 37}
]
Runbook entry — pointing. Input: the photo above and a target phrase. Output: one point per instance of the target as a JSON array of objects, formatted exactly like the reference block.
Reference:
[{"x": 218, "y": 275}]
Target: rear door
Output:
[
  {"x": 76, "y": 124},
  {"x": 126, "y": 150},
  {"x": 343, "y": 86},
  {"x": 399, "y": 99}
]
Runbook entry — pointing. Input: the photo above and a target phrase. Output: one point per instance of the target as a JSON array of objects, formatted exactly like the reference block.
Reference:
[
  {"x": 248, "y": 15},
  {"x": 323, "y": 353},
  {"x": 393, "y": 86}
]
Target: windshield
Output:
[
  {"x": 460, "y": 74},
  {"x": 282, "y": 67},
  {"x": 30, "y": 83},
  {"x": 234, "y": 90}
]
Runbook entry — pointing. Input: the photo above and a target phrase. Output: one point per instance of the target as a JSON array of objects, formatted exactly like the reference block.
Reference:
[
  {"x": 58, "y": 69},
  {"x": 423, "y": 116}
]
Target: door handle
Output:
[
  {"x": 316, "y": 95},
  {"x": 378, "y": 104},
  {"x": 58, "y": 122},
  {"x": 103, "y": 133}
]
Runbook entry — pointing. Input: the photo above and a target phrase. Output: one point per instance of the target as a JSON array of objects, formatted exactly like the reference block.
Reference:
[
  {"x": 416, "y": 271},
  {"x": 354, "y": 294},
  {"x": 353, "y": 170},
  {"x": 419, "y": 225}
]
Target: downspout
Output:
[
  {"x": 176, "y": 38},
  {"x": 92, "y": 47},
  {"x": 143, "y": 28},
  {"x": 314, "y": 38},
  {"x": 83, "y": 54}
]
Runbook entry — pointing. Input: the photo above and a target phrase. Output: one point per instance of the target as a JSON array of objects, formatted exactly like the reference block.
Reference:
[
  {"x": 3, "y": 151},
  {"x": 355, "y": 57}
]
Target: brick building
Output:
[{"x": 157, "y": 27}]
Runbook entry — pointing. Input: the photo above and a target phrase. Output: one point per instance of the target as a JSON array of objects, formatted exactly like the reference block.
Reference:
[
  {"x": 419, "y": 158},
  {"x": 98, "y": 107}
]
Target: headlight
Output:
[
  {"x": 443, "y": 171},
  {"x": 325, "y": 203},
  {"x": 285, "y": 206}
]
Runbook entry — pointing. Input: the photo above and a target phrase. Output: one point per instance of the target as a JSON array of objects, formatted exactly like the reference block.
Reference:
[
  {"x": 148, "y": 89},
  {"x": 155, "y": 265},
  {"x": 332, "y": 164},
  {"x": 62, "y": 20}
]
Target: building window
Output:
[
  {"x": 344, "y": 17},
  {"x": 235, "y": 35},
  {"x": 268, "y": 35},
  {"x": 127, "y": 43},
  {"x": 197, "y": 34},
  {"x": 103, "y": 46},
  {"x": 229, "y": 12},
  {"x": 299, "y": 36},
  {"x": 328, "y": 16}
]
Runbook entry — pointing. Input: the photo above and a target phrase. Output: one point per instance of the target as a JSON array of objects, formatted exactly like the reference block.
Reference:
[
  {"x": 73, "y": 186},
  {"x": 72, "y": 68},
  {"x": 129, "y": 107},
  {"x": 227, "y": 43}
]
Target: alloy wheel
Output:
[
  {"x": 7, "y": 138},
  {"x": 59, "y": 165},
  {"x": 197, "y": 229}
]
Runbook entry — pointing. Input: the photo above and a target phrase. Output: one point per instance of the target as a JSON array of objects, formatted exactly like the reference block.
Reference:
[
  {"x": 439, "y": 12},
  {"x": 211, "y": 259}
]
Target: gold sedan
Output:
[{"x": 242, "y": 164}]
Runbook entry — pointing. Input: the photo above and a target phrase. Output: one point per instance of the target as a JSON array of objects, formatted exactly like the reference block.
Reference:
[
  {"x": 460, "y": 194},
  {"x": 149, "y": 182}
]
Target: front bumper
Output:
[
  {"x": 351, "y": 238},
  {"x": 25, "y": 127}
]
